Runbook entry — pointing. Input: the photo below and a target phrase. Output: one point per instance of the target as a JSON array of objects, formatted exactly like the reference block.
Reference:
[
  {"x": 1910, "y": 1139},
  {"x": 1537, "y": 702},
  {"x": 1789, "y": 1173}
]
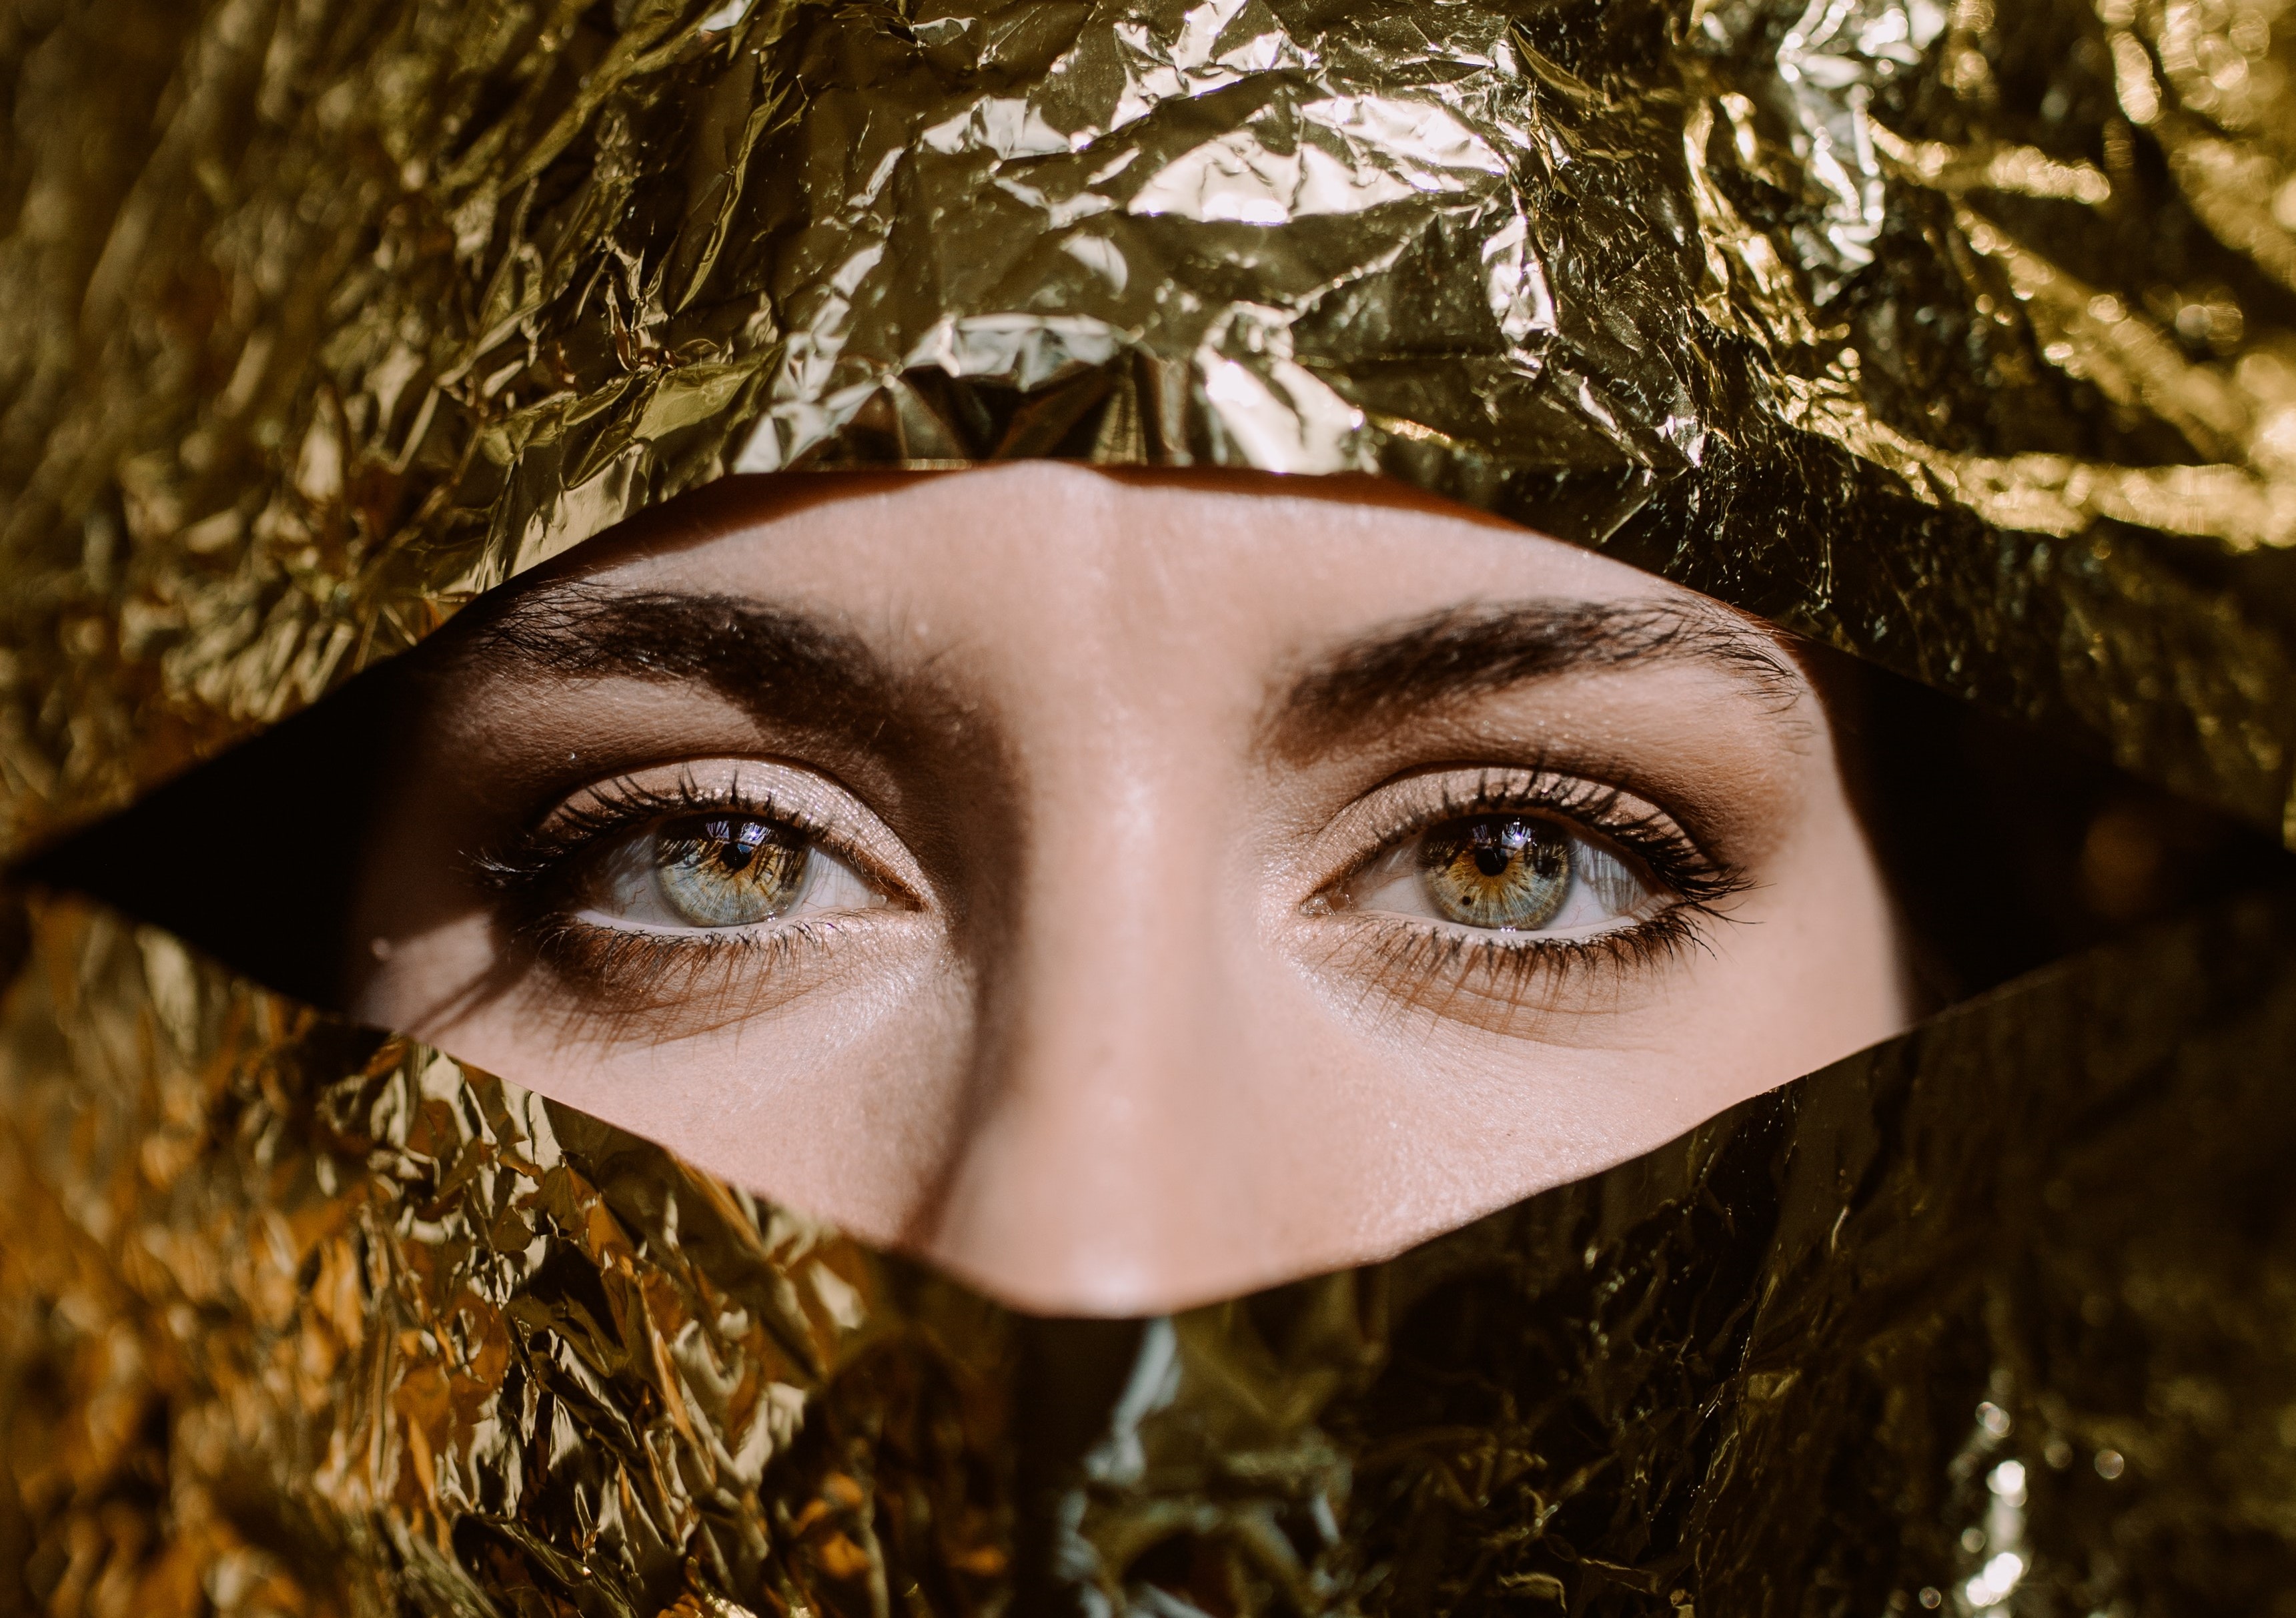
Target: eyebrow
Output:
[
  {"x": 775, "y": 663},
  {"x": 1380, "y": 678},
  {"x": 787, "y": 666}
]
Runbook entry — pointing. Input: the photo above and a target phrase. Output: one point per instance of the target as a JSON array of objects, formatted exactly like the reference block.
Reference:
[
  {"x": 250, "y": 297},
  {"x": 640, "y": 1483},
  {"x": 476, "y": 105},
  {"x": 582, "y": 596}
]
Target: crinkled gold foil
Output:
[
  {"x": 1964, "y": 338},
  {"x": 300, "y": 1319}
]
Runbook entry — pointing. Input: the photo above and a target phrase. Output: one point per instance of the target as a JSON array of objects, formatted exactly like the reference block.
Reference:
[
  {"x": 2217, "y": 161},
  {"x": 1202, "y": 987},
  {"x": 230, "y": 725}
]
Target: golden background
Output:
[{"x": 1963, "y": 337}]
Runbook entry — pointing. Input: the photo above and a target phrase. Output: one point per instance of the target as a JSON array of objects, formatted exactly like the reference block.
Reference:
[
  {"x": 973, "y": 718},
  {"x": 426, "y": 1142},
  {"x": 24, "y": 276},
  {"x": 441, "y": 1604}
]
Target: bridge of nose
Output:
[{"x": 1117, "y": 1108}]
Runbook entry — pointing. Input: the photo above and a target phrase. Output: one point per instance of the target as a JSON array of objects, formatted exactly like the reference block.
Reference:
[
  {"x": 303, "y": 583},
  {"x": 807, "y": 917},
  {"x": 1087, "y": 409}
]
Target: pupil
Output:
[
  {"x": 725, "y": 871},
  {"x": 732, "y": 846},
  {"x": 1496, "y": 871}
]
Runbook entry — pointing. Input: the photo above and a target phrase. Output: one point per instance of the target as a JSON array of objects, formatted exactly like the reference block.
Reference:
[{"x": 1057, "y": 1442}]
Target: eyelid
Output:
[
  {"x": 807, "y": 801},
  {"x": 1400, "y": 809}
]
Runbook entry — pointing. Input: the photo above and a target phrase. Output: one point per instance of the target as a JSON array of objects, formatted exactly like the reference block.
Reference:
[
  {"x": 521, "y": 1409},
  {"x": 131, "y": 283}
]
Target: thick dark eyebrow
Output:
[
  {"x": 1378, "y": 679},
  {"x": 778, "y": 664}
]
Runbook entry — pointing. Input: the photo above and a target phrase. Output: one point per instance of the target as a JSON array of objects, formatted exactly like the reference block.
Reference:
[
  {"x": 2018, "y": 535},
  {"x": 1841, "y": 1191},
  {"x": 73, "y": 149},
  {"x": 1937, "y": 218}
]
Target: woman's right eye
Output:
[{"x": 710, "y": 872}]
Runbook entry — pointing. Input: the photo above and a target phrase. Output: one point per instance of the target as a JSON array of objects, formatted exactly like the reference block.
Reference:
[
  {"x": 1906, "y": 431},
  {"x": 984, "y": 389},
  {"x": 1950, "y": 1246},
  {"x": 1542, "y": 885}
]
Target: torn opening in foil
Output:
[{"x": 1960, "y": 338}]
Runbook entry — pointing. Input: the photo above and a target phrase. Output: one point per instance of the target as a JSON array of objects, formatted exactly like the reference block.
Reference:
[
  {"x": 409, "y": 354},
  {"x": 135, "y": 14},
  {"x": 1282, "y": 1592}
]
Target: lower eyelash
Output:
[
  {"x": 638, "y": 971},
  {"x": 1416, "y": 954}
]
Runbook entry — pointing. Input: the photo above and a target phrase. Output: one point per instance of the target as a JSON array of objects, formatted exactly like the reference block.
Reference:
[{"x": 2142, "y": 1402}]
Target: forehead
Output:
[
  {"x": 1307, "y": 613},
  {"x": 1077, "y": 548}
]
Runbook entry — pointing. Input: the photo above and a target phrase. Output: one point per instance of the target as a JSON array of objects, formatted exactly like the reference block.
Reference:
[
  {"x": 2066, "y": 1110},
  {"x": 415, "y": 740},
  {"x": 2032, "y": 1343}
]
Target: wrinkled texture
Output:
[
  {"x": 1965, "y": 339},
  {"x": 301, "y": 1319}
]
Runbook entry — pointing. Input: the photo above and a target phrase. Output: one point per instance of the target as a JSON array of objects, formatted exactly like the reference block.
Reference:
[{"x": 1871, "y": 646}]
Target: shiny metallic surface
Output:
[
  {"x": 1962, "y": 337},
  {"x": 1967, "y": 342},
  {"x": 297, "y": 1319}
]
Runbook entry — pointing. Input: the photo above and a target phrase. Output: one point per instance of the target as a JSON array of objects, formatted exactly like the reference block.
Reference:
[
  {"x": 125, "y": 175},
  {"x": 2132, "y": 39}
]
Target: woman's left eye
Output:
[
  {"x": 717, "y": 871},
  {"x": 1504, "y": 873}
]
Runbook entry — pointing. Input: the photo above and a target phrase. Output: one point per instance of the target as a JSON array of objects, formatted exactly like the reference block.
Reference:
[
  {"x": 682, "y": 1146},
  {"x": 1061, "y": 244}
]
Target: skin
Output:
[{"x": 1121, "y": 1039}]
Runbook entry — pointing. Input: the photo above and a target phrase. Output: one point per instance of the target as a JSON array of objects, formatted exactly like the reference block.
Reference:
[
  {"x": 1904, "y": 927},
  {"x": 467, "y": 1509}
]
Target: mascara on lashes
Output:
[{"x": 537, "y": 873}]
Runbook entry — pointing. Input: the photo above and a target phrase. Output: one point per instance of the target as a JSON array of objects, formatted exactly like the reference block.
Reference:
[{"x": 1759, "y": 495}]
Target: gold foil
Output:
[
  {"x": 1963, "y": 341},
  {"x": 297, "y": 1319},
  {"x": 1963, "y": 337}
]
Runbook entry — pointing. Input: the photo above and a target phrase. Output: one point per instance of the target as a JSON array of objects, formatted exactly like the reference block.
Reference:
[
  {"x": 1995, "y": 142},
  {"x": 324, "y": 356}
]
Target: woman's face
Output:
[{"x": 1123, "y": 890}]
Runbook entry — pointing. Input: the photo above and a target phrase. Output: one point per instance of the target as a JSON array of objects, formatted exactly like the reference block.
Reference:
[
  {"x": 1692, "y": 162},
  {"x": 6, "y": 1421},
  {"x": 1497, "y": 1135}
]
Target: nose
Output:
[{"x": 1116, "y": 1155}]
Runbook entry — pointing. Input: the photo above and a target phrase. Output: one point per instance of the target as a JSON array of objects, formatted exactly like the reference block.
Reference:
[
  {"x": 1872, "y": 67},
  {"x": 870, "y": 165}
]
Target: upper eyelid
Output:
[
  {"x": 830, "y": 833},
  {"x": 633, "y": 815},
  {"x": 633, "y": 806},
  {"x": 1371, "y": 843}
]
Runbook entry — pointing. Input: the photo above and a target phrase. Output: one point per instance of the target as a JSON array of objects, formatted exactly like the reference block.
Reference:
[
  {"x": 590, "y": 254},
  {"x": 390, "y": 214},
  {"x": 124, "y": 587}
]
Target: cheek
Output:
[
  {"x": 1364, "y": 1131},
  {"x": 847, "y": 1106},
  {"x": 845, "y": 1101},
  {"x": 423, "y": 978}
]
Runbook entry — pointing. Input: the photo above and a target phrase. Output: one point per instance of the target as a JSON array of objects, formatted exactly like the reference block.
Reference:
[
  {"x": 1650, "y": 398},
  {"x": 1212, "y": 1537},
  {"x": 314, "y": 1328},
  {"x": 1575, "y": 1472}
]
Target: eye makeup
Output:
[
  {"x": 635, "y": 887},
  {"x": 1489, "y": 878},
  {"x": 649, "y": 889}
]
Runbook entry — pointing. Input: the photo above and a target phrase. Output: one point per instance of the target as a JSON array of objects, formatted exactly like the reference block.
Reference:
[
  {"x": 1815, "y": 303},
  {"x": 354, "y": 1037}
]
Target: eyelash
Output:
[
  {"x": 1696, "y": 883},
  {"x": 1415, "y": 952},
  {"x": 534, "y": 871}
]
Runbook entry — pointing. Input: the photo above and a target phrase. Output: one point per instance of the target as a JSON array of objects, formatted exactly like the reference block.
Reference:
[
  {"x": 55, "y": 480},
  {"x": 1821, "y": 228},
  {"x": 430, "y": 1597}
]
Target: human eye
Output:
[
  {"x": 695, "y": 865},
  {"x": 718, "y": 868},
  {"x": 1513, "y": 872},
  {"x": 1522, "y": 871}
]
